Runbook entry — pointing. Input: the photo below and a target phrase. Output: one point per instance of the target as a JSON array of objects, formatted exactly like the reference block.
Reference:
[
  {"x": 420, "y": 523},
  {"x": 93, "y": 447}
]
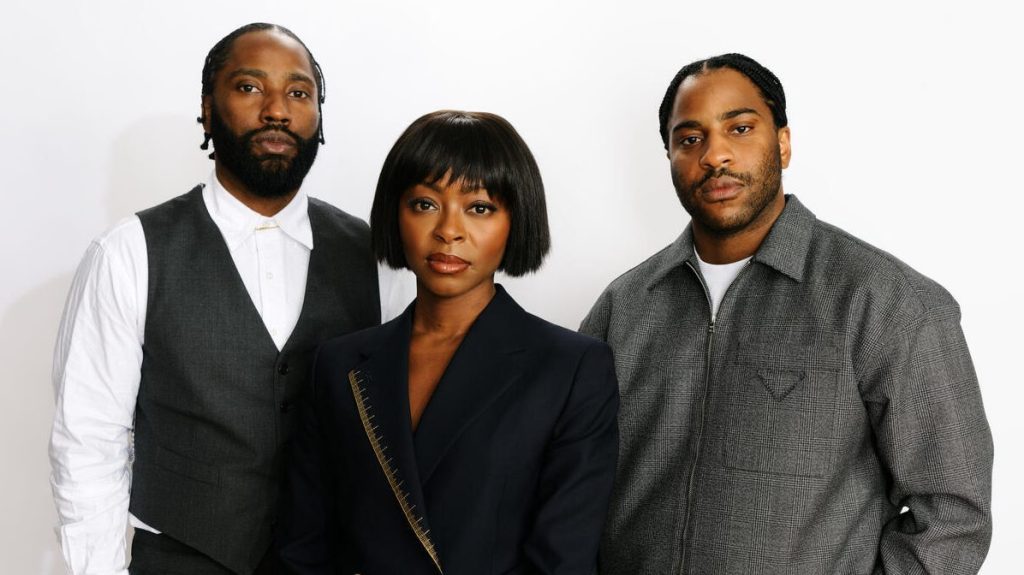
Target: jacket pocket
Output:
[{"x": 780, "y": 409}]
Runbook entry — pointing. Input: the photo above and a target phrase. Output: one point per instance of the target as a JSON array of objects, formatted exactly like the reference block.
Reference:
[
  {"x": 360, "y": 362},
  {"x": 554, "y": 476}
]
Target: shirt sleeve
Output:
[
  {"x": 933, "y": 438},
  {"x": 96, "y": 374},
  {"x": 397, "y": 290}
]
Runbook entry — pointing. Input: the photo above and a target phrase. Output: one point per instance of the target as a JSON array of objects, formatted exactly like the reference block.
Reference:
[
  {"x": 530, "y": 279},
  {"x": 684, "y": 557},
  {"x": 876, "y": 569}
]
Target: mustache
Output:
[
  {"x": 249, "y": 136},
  {"x": 720, "y": 172}
]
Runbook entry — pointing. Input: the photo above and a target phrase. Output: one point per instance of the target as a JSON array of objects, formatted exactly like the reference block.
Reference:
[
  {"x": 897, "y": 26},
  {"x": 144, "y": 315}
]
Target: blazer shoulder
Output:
[
  {"x": 346, "y": 351},
  {"x": 543, "y": 332}
]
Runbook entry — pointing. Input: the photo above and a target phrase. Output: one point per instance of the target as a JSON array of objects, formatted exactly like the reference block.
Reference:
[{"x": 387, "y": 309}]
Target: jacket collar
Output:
[
  {"x": 489, "y": 359},
  {"x": 785, "y": 249}
]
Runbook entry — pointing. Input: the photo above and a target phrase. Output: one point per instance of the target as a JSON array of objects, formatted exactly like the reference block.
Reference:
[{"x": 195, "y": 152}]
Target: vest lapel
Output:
[
  {"x": 490, "y": 358},
  {"x": 231, "y": 278},
  {"x": 381, "y": 391}
]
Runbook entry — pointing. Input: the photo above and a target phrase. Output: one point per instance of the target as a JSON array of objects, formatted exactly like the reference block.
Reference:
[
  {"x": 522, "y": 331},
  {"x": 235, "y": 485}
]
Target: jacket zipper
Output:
[{"x": 703, "y": 406}]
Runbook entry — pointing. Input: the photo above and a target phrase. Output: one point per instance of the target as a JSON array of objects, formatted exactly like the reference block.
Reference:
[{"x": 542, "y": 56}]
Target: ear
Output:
[
  {"x": 784, "y": 149},
  {"x": 206, "y": 108}
]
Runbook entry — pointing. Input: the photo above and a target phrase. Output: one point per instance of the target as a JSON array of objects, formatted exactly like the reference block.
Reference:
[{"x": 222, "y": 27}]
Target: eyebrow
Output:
[
  {"x": 257, "y": 73},
  {"x": 726, "y": 116}
]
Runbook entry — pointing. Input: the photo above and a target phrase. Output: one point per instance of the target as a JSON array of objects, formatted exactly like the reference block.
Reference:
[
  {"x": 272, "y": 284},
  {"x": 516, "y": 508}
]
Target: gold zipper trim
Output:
[{"x": 416, "y": 523}]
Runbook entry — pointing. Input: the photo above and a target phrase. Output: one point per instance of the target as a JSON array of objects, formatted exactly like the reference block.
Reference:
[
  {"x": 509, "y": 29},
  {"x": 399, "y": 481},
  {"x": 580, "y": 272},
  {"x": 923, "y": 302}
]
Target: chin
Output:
[{"x": 448, "y": 286}]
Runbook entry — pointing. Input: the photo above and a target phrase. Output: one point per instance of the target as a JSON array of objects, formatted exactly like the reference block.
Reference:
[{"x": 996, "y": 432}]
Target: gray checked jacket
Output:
[{"x": 828, "y": 421}]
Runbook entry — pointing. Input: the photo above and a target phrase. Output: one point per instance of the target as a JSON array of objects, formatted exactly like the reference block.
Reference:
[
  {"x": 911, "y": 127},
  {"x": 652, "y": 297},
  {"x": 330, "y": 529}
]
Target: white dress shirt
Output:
[{"x": 98, "y": 358}]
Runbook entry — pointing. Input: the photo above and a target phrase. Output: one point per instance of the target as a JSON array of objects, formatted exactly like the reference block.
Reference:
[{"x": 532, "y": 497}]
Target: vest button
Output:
[
  {"x": 285, "y": 407},
  {"x": 283, "y": 369}
]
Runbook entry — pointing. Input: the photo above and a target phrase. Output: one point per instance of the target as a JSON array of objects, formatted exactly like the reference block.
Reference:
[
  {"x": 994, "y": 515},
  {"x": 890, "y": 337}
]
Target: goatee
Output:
[
  {"x": 763, "y": 185},
  {"x": 264, "y": 175}
]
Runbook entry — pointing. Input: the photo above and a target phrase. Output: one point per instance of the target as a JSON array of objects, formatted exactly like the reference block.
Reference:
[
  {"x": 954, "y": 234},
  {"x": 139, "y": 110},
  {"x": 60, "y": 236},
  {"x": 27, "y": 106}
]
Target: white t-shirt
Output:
[{"x": 718, "y": 278}]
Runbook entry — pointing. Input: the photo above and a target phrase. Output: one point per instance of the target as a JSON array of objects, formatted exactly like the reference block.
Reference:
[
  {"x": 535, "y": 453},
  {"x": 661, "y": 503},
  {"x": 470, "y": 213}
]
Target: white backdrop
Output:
[{"x": 905, "y": 121}]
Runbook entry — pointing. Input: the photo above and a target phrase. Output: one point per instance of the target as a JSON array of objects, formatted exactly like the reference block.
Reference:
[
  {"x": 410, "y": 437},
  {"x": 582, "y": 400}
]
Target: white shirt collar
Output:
[{"x": 237, "y": 221}]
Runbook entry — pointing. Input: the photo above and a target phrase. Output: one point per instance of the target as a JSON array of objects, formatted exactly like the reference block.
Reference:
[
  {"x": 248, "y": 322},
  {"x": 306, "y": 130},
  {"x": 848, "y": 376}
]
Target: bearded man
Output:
[
  {"x": 190, "y": 327},
  {"x": 793, "y": 400}
]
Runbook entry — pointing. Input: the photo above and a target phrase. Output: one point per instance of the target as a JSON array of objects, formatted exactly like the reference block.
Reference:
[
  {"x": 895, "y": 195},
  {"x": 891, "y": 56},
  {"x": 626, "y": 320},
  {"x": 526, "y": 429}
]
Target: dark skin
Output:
[
  {"x": 721, "y": 126},
  {"x": 267, "y": 80},
  {"x": 454, "y": 239}
]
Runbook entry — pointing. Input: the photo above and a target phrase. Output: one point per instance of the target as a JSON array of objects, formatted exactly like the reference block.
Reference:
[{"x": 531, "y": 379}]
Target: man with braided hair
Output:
[
  {"x": 189, "y": 330},
  {"x": 793, "y": 400}
]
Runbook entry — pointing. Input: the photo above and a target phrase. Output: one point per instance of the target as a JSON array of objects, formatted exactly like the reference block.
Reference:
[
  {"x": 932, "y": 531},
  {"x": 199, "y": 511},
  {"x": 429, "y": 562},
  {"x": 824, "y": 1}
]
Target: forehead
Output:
[
  {"x": 269, "y": 51},
  {"x": 715, "y": 92}
]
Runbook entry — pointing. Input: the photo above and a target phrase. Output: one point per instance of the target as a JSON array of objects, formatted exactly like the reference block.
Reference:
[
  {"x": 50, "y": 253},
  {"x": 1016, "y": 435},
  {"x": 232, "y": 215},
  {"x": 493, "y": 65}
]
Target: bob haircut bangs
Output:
[{"x": 481, "y": 150}]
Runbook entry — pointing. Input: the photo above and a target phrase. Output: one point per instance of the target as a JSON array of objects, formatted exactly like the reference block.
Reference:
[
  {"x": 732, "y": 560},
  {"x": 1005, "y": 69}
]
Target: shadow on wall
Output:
[
  {"x": 154, "y": 160},
  {"x": 27, "y": 520}
]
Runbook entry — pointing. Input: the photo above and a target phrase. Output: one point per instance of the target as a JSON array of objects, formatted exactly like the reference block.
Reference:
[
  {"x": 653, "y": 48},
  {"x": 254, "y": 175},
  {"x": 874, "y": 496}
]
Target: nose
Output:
[
  {"x": 717, "y": 152},
  {"x": 275, "y": 109},
  {"x": 449, "y": 227}
]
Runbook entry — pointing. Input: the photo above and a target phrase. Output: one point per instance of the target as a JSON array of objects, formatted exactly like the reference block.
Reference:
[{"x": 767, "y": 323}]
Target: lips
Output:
[
  {"x": 721, "y": 189},
  {"x": 446, "y": 263},
  {"x": 274, "y": 143}
]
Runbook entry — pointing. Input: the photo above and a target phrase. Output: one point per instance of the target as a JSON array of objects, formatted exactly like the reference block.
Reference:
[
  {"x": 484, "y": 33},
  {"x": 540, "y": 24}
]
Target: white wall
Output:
[{"x": 906, "y": 131}]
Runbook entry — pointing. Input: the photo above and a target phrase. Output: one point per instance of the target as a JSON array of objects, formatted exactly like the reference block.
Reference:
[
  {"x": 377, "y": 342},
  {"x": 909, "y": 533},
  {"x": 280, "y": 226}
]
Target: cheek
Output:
[
  {"x": 497, "y": 238},
  {"x": 310, "y": 119}
]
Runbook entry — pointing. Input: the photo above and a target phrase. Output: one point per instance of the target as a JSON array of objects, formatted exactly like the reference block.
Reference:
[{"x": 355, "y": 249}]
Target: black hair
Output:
[
  {"x": 221, "y": 51},
  {"x": 768, "y": 84},
  {"x": 479, "y": 149}
]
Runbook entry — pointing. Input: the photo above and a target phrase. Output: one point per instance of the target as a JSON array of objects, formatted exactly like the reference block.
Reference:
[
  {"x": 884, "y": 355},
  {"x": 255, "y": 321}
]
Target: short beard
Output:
[
  {"x": 267, "y": 175},
  {"x": 764, "y": 186}
]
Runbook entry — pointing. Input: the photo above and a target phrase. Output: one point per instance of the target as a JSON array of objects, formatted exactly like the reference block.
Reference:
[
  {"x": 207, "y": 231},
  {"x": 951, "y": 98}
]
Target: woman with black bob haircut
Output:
[
  {"x": 466, "y": 436},
  {"x": 475, "y": 147}
]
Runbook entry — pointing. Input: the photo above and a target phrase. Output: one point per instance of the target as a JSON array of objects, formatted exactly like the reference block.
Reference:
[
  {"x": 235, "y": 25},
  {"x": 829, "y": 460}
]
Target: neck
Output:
[
  {"x": 449, "y": 316},
  {"x": 259, "y": 204},
  {"x": 718, "y": 248}
]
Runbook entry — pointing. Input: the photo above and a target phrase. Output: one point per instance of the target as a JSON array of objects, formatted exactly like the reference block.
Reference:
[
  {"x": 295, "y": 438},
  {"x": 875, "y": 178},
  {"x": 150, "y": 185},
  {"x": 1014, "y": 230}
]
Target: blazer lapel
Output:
[
  {"x": 381, "y": 391},
  {"x": 489, "y": 359}
]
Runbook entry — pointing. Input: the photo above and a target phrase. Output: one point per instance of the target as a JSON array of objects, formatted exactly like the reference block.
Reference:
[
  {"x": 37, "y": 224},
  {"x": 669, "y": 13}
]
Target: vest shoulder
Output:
[
  {"x": 337, "y": 218},
  {"x": 169, "y": 210}
]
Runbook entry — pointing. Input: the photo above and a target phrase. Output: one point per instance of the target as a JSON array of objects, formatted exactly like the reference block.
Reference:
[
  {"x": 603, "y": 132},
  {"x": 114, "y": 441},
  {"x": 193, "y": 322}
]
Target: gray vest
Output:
[{"x": 215, "y": 403}]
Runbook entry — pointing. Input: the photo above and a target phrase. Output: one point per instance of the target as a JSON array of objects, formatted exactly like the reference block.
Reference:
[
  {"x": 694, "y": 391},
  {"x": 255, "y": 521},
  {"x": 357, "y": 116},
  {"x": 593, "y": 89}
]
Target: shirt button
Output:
[{"x": 270, "y": 275}]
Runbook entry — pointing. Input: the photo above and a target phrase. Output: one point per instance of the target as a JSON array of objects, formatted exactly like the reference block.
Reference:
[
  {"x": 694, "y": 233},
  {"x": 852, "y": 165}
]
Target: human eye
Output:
[
  {"x": 689, "y": 141},
  {"x": 300, "y": 94},
  {"x": 421, "y": 205},
  {"x": 743, "y": 129},
  {"x": 482, "y": 208},
  {"x": 248, "y": 88}
]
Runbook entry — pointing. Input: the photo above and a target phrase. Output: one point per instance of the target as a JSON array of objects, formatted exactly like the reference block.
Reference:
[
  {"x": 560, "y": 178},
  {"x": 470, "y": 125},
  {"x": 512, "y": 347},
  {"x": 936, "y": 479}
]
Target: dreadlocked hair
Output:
[
  {"x": 221, "y": 51},
  {"x": 768, "y": 84}
]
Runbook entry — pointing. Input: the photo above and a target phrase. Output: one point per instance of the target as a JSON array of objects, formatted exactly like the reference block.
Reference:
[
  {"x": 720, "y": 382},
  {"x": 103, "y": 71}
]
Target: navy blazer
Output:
[{"x": 509, "y": 471}]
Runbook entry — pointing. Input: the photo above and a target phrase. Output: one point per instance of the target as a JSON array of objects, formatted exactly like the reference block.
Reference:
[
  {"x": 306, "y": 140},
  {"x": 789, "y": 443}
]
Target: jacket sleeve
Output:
[
  {"x": 932, "y": 436},
  {"x": 597, "y": 320},
  {"x": 302, "y": 535},
  {"x": 578, "y": 470}
]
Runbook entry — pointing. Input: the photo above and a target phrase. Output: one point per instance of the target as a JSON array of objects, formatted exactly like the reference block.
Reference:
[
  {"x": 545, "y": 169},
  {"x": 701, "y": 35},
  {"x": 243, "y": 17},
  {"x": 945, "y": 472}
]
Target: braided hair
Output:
[
  {"x": 768, "y": 84},
  {"x": 221, "y": 51}
]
